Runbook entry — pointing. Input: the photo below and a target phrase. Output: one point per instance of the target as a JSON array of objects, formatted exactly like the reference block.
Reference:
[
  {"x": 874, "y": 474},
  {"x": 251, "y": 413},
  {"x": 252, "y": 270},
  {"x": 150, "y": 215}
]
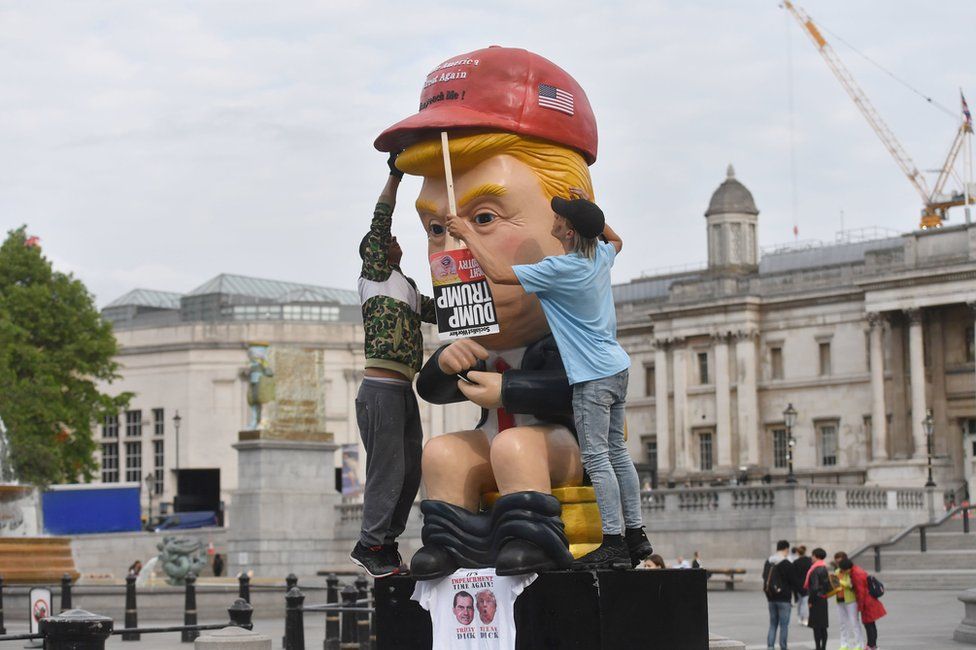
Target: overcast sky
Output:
[{"x": 157, "y": 144}]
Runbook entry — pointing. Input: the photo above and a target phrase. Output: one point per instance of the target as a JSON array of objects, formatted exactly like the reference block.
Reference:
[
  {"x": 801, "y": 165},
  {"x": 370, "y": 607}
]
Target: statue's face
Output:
[{"x": 505, "y": 201}]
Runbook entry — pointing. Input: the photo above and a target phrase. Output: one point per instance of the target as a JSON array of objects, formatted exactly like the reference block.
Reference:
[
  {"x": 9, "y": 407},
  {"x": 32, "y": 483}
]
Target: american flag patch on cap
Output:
[{"x": 556, "y": 99}]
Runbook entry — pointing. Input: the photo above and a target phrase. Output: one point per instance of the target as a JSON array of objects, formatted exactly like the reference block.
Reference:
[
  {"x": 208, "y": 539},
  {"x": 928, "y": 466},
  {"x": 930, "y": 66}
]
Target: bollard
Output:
[
  {"x": 331, "y": 617},
  {"x": 190, "y": 610},
  {"x": 3, "y": 630},
  {"x": 65, "y": 592},
  {"x": 291, "y": 580},
  {"x": 244, "y": 586},
  {"x": 240, "y": 614},
  {"x": 131, "y": 616},
  {"x": 294, "y": 620},
  {"x": 877, "y": 559},
  {"x": 922, "y": 543},
  {"x": 76, "y": 629},
  {"x": 965, "y": 529},
  {"x": 372, "y": 618},
  {"x": 362, "y": 620},
  {"x": 349, "y": 596}
]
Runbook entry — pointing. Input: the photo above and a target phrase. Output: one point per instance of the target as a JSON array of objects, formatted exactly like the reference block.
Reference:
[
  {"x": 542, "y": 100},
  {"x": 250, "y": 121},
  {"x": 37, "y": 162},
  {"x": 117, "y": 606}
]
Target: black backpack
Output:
[
  {"x": 875, "y": 587},
  {"x": 775, "y": 585}
]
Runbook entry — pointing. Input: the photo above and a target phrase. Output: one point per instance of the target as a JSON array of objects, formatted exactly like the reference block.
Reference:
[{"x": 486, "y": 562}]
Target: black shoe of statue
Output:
[
  {"x": 374, "y": 560},
  {"x": 520, "y": 556},
  {"x": 611, "y": 554},
  {"x": 637, "y": 545},
  {"x": 432, "y": 562}
]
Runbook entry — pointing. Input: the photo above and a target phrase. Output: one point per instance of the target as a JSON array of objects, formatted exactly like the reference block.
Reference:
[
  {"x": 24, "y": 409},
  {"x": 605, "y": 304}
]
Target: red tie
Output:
[{"x": 505, "y": 419}]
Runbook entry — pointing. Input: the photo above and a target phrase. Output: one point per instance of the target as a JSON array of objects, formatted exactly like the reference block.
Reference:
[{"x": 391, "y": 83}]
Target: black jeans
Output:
[
  {"x": 820, "y": 638},
  {"x": 872, "y": 630}
]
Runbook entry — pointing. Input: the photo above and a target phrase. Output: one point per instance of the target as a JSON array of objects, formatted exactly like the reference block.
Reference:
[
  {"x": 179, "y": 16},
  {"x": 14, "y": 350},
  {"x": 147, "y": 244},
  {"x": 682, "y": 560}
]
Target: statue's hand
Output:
[
  {"x": 483, "y": 388},
  {"x": 460, "y": 356}
]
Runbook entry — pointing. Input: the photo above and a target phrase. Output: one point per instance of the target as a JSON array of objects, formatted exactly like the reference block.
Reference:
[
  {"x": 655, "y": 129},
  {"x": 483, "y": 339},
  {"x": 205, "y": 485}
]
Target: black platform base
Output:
[{"x": 647, "y": 610}]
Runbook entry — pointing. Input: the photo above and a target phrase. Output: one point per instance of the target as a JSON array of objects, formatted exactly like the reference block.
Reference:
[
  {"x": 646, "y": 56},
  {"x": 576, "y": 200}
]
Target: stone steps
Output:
[
  {"x": 938, "y": 579},
  {"x": 936, "y": 541},
  {"x": 932, "y": 560},
  {"x": 36, "y": 560}
]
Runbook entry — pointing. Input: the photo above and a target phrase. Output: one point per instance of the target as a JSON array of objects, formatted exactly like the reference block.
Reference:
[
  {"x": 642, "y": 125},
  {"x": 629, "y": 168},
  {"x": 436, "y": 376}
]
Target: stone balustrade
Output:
[{"x": 736, "y": 525}]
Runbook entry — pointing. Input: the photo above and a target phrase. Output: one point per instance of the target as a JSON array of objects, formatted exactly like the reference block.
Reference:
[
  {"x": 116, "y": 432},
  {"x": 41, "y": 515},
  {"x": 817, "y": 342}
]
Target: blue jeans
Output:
[
  {"x": 598, "y": 408},
  {"x": 779, "y": 616}
]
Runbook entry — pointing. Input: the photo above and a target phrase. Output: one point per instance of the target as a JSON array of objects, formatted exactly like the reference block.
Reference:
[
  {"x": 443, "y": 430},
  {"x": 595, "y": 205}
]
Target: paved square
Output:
[{"x": 916, "y": 619}]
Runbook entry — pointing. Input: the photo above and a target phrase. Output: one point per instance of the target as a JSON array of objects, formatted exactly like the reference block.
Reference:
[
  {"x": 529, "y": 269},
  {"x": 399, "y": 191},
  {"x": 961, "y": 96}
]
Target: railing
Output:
[
  {"x": 922, "y": 529},
  {"x": 750, "y": 498},
  {"x": 821, "y": 498},
  {"x": 77, "y": 629},
  {"x": 349, "y": 624},
  {"x": 348, "y": 621}
]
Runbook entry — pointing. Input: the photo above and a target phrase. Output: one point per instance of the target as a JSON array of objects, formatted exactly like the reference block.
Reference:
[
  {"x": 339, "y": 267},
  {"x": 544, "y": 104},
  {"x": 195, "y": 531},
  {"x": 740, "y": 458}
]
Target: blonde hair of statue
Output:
[{"x": 558, "y": 168}]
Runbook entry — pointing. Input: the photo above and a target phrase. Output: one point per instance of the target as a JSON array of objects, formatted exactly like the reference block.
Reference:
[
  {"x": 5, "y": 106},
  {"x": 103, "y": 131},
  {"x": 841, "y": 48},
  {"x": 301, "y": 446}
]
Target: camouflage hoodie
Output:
[{"x": 392, "y": 306}]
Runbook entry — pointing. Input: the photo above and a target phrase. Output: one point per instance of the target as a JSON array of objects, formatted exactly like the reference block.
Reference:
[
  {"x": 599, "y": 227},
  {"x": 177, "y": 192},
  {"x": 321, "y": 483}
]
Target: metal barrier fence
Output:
[
  {"x": 349, "y": 624},
  {"x": 349, "y": 614}
]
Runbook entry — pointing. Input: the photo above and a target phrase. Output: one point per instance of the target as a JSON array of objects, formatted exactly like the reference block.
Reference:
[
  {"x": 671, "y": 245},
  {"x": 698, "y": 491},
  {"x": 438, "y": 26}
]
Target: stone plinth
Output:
[
  {"x": 966, "y": 632},
  {"x": 285, "y": 505},
  {"x": 652, "y": 610}
]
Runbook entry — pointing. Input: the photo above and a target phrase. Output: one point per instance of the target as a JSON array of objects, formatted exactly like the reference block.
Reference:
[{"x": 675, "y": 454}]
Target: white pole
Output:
[{"x": 449, "y": 177}]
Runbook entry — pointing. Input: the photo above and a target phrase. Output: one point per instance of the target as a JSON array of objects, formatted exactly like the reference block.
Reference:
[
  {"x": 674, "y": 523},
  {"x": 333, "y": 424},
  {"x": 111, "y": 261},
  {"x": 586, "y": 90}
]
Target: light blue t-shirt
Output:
[{"x": 576, "y": 298}]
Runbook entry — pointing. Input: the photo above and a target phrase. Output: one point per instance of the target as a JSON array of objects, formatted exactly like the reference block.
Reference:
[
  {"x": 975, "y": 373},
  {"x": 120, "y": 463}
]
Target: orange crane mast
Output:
[{"x": 936, "y": 204}]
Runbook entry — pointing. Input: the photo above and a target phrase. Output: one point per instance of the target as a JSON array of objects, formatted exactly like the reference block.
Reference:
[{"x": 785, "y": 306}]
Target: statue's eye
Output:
[
  {"x": 484, "y": 217},
  {"x": 437, "y": 229}
]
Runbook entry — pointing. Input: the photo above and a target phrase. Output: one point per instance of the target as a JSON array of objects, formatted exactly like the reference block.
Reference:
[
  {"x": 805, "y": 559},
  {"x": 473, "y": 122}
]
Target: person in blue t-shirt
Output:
[{"x": 574, "y": 291}]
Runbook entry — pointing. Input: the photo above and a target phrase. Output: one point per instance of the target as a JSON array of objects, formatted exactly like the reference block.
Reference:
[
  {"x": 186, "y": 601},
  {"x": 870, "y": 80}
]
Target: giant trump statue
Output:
[{"x": 521, "y": 132}]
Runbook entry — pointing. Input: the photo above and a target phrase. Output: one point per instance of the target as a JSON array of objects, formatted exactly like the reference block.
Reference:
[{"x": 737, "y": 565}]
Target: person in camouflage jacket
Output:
[{"x": 386, "y": 407}]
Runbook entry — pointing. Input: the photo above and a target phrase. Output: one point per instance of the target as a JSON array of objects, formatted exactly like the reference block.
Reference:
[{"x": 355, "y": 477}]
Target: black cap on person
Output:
[{"x": 587, "y": 217}]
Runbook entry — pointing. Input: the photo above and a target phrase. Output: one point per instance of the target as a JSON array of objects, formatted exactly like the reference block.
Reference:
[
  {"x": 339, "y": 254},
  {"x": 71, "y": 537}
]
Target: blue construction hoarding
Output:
[{"x": 91, "y": 508}]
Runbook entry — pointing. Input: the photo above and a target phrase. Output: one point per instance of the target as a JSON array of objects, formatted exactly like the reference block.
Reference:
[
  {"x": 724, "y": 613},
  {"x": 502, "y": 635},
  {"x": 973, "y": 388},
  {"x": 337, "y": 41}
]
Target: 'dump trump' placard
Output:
[{"x": 462, "y": 296}]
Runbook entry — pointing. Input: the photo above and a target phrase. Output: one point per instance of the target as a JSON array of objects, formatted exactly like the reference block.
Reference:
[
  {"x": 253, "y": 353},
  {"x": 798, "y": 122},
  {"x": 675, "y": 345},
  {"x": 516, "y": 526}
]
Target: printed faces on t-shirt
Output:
[{"x": 472, "y": 608}]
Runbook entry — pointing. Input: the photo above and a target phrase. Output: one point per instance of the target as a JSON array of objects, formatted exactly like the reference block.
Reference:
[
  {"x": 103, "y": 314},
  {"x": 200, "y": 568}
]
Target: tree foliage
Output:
[{"x": 54, "y": 350}]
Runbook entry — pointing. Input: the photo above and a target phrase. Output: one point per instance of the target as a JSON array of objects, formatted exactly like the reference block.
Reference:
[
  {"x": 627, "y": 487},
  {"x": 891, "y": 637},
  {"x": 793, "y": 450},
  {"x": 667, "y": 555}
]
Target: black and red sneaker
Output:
[
  {"x": 375, "y": 560},
  {"x": 393, "y": 552}
]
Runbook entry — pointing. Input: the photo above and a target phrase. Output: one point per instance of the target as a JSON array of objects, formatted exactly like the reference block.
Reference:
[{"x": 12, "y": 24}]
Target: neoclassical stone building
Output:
[
  {"x": 186, "y": 355},
  {"x": 860, "y": 337}
]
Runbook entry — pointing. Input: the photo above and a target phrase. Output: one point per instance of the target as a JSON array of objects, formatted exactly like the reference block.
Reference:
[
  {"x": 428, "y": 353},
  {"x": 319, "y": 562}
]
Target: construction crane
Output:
[{"x": 936, "y": 203}]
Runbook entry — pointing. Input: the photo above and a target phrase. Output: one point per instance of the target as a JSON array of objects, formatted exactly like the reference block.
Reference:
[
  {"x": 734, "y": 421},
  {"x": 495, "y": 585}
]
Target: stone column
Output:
[
  {"x": 879, "y": 413},
  {"x": 723, "y": 401},
  {"x": 682, "y": 455},
  {"x": 916, "y": 359},
  {"x": 661, "y": 410},
  {"x": 748, "y": 398}
]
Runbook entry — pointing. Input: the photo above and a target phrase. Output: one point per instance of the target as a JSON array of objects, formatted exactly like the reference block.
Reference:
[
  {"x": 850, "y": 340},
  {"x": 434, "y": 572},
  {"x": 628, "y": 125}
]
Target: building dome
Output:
[{"x": 731, "y": 197}]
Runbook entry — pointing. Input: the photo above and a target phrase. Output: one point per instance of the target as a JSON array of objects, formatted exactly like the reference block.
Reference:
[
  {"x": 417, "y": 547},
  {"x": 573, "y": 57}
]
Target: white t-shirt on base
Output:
[{"x": 472, "y": 608}]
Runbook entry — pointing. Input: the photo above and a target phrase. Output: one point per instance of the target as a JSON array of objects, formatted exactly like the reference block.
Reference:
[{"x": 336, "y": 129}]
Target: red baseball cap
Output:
[{"x": 500, "y": 88}]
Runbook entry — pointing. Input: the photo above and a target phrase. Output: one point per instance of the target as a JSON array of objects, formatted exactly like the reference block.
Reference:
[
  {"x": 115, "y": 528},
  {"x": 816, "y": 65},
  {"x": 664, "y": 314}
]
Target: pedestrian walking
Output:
[
  {"x": 779, "y": 584},
  {"x": 868, "y": 606},
  {"x": 802, "y": 565},
  {"x": 818, "y": 587}
]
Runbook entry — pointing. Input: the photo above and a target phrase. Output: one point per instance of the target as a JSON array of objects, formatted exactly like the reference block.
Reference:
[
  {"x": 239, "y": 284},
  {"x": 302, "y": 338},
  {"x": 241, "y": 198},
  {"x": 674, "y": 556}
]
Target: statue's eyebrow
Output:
[
  {"x": 424, "y": 205},
  {"x": 488, "y": 189}
]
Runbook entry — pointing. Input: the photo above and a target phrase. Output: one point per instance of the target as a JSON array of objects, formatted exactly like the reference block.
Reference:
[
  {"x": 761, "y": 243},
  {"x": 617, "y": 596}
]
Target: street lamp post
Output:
[
  {"x": 176, "y": 426},
  {"x": 789, "y": 417},
  {"x": 928, "y": 424},
  {"x": 149, "y": 490}
]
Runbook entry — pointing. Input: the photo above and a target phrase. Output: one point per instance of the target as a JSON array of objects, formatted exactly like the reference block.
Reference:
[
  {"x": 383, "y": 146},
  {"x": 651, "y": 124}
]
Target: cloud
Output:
[{"x": 158, "y": 144}]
